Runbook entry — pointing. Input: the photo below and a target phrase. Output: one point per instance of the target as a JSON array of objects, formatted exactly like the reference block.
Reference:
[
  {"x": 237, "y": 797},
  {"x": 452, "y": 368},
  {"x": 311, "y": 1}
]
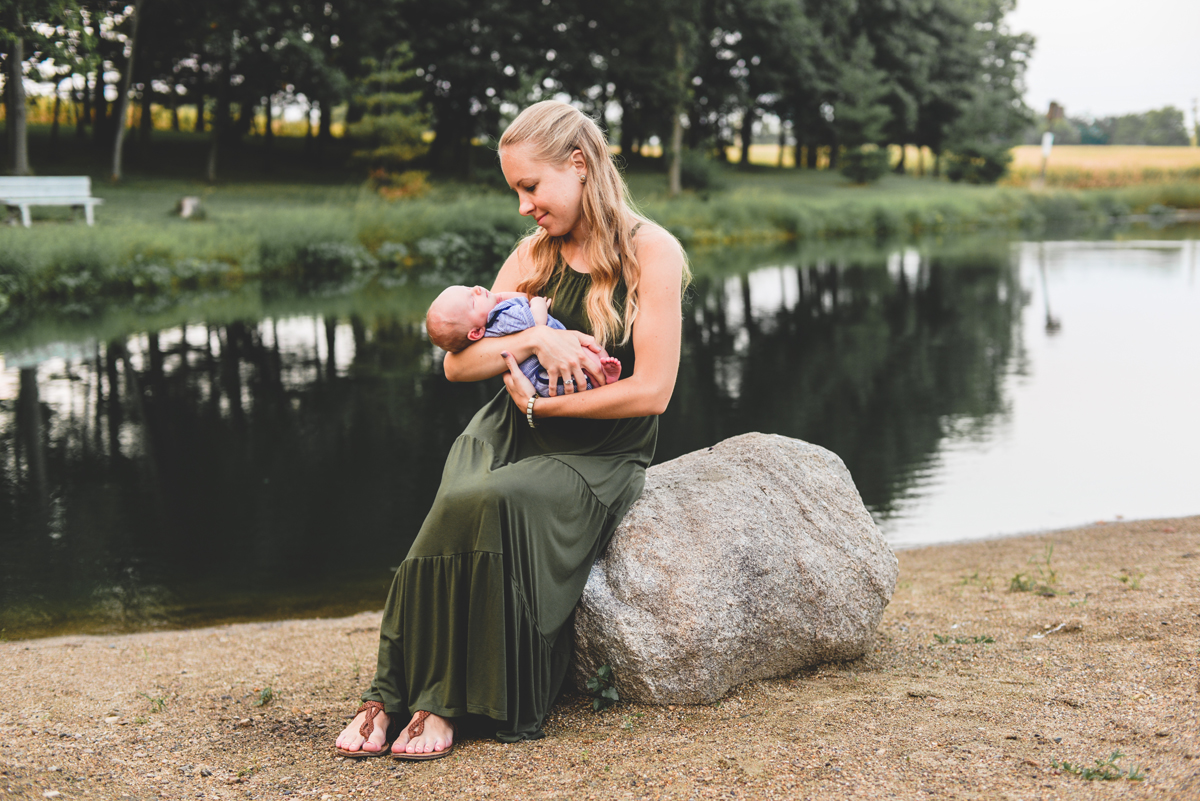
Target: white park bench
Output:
[{"x": 24, "y": 191}]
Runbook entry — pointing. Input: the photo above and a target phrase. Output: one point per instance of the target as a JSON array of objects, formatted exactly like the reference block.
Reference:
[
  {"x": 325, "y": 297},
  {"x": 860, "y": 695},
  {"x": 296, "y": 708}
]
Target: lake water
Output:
[{"x": 252, "y": 456}]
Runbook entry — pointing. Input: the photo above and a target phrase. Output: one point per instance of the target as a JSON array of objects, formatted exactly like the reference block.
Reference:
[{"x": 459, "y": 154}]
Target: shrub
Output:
[
  {"x": 864, "y": 165},
  {"x": 978, "y": 163},
  {"x": 700, "y": 173}
]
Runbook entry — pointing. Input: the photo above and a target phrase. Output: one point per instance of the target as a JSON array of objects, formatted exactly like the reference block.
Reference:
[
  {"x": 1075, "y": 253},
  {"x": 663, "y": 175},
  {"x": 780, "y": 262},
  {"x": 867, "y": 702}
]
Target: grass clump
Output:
[
  {"x": 1104, "y": 770},
  {"x": 1041, "y": 580}
]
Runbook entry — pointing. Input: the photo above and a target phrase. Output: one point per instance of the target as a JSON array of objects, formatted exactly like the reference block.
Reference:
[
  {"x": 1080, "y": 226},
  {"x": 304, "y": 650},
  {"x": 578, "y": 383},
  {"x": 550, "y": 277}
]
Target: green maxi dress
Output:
[{"x": 478, "y": 617}]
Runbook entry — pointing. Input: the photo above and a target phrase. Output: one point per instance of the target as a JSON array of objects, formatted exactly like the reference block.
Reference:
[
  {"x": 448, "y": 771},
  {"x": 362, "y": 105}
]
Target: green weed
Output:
[
  {"x": 156, "y": 704},
  {"x": 1041, "y": 579},
  {"x": 1131, "y": 580},
  {"x": 946, "y": 639},
  {"x": 604, "y": 694},
  {"x": 1104, "y": 770},
  {"x": 265, "y": 696},
  {"x": 629, "y": 721}
]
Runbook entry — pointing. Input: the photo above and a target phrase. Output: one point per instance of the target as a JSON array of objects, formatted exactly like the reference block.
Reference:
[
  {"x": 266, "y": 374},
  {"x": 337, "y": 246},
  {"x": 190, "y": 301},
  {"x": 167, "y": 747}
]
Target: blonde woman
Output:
[{"x": 476, "y": 623}]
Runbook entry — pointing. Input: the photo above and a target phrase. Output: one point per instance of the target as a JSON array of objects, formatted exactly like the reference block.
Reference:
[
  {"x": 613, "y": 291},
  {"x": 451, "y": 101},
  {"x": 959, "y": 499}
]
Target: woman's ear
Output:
[{"x": 579, "y": 163}]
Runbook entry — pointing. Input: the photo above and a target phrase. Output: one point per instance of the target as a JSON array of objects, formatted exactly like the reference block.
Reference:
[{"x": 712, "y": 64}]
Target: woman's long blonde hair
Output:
[{"x": 556, "y": 130}]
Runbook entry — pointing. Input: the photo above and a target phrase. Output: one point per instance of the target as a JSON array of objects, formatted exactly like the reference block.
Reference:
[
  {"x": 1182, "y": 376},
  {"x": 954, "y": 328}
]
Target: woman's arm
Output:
[{"x": 656, "y": 341}]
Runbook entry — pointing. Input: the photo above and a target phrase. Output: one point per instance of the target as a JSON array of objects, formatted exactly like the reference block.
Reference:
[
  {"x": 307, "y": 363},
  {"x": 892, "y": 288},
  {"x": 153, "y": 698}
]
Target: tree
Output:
[
  {"x": 995, "y": 114},
  {"x": 390, "y": 134},
  {"x": 861, "y": 116},
  {"x": 123, "y": 98}
]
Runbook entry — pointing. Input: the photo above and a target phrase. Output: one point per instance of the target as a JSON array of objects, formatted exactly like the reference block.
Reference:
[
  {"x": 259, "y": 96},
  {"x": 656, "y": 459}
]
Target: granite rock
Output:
[{"x": 748, "y": 560}]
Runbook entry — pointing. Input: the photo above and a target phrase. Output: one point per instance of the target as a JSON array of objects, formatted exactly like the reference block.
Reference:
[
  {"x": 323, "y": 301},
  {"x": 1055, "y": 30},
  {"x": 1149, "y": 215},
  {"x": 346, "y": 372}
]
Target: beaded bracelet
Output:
[{"x": 529, "y": 410}]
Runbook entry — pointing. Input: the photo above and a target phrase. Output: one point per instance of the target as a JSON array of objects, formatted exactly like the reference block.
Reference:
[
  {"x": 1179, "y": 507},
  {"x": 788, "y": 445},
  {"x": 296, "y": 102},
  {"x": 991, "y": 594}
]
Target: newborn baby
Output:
[{"x": 463, "y": 314}]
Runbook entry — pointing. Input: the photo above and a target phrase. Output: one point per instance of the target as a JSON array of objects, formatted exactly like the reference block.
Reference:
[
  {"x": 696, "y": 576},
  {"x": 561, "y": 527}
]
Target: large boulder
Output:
[{"x": 748, "y": 560}]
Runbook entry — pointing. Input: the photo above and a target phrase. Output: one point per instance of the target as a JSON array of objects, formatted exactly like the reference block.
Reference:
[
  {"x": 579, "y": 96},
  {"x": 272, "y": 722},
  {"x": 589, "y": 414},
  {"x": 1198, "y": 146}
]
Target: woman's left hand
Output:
[{"x": 519, "y": 387}]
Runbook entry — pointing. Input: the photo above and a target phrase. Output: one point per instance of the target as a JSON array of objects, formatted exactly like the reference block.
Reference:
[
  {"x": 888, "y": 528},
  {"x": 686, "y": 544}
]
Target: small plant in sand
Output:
[
  {"x": 156, "y": 704},
  {"x": 265, "y": 696},
  {"x": 629, "y": 721},
  {"x": 1131, "y": 580},
  {"x": 604, "y": 694},
  {"x": 1104, "y": 770},
  {"x": 1041, "y": 579},
  {"x": 977, "y": 639}
]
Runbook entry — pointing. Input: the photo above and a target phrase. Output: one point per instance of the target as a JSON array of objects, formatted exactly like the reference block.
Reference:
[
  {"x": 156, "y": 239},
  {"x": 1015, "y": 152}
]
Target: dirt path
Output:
[{"x": 974, "y": 691}]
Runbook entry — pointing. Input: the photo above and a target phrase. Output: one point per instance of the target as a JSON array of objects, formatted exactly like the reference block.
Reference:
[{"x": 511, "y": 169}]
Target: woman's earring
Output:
[{"x": 583, "y": 179}]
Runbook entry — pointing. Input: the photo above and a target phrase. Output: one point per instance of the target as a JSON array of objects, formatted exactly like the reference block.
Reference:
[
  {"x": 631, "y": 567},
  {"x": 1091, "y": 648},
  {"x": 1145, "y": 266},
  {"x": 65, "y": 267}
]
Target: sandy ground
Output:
[{"x": 973, "y": 691}]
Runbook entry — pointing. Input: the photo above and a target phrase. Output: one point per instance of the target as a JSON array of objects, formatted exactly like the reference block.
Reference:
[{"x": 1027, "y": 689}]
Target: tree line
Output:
[
  {"x": 1163, "y": 127},
  {"x": 843, "y": 77}
]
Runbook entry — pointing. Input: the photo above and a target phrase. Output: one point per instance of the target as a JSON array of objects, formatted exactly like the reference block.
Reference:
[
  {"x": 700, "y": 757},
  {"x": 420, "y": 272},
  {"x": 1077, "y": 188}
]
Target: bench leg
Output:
[
  {"x": 89, "y": 214},
  {"x": 25, "y": 221}
]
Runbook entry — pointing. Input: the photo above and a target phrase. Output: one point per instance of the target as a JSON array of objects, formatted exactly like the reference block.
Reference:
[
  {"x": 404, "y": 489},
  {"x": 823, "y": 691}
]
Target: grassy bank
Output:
[{"x": 317, "y": 230}]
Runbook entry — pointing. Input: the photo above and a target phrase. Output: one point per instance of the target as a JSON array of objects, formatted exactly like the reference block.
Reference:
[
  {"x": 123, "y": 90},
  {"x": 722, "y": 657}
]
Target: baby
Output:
[{"x": 462, "y": 315}]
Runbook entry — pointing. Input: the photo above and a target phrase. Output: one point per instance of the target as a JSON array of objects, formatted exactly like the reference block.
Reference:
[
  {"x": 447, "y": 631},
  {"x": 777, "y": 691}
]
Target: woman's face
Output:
[{"x": 550, "y": 194}]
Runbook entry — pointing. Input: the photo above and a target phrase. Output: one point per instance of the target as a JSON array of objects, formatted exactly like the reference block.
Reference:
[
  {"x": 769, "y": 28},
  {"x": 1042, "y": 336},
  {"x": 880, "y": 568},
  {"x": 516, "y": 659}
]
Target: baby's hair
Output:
[{"x": 448, "y": 334}]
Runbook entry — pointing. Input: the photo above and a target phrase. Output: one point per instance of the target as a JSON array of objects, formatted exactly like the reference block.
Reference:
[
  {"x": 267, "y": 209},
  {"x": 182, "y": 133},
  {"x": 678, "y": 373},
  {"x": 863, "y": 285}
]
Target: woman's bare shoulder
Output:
[{"x": 654, "y": 245}]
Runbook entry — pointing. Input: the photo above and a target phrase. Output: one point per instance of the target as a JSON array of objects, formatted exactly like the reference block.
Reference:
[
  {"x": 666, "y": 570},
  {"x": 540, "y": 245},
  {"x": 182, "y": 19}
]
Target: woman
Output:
[{"x": 477, "y": 620}]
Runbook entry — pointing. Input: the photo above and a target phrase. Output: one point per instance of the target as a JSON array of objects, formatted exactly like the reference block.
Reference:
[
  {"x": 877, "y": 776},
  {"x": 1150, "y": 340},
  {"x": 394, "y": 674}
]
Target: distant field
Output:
[{"x": 1105, "y": 166}]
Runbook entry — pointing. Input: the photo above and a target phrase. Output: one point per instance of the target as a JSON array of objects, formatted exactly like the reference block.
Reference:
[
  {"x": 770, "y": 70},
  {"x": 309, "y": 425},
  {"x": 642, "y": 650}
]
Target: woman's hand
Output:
[
  {"x": 562, "y": 356},
  {"x": 518, "y": 386}
]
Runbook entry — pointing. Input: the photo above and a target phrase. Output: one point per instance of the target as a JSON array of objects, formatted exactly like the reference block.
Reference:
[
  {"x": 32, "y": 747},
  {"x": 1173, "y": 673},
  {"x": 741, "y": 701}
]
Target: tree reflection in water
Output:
[{"x": 261, "y": 469}]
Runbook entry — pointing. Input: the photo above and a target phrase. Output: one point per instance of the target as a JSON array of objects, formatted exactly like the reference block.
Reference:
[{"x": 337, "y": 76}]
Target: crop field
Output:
[{"x": 1104, "y": 166}]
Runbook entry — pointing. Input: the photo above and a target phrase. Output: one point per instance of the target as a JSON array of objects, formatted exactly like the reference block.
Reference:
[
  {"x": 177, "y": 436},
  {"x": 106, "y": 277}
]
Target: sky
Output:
[{"x": 1107, "y": 57}]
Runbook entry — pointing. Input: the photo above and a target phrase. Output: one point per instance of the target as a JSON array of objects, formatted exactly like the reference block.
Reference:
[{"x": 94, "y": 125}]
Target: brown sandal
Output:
[
  {"x": 414, "y": 730},
  {"x": 368, "y": 726}
]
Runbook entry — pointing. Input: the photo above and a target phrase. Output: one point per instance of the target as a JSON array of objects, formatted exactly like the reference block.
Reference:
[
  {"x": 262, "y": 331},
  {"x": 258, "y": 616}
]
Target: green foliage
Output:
[
  {"x": 864, "y": 165},
  {"x": 1041, "y": 580},
  {"x": 1131, "y": 580},
  {"x": 945, "y": 639},
  {"x": 604, "y": 693},
  {"x": 156, "y": 704},
  {"x": 978, "y": 163},
  {"x": 390, "y": 134},
  {"x": 860, "y": 113},
  {"x": 265, "y": 696},
  {"x": 1104, "y": 770},
  {"x": 700, "y": 173}
]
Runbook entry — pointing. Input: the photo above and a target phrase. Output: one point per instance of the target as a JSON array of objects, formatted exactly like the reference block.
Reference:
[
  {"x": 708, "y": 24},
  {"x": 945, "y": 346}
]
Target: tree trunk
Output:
[
  {"x": 937, "y": 164},
  {"x": 747, "y": 135},
  {"x": 782, "y": 142},
  {"x": 325, "y": 131},
  {"x": 920, "y": 161},
  {"x": 17, "y": 136},
  {"x": 811, "y": 154},
  {"x": 81, "y": 112},
  {"x": 833, "y": 155},
  {"x": 675, "y": 172},
  {"x": 220, "y": 120},
  {"x": 199, "y": 127},
  {"x": 57, "y": 111},
  {"x": 174, "y": 111},
  {"x": 900, "y": 167},
  {"x": 122, "y": 104},
  {"x": 146, "y": 121},
  {"x": 268, "y": 132},
  {"x": 308, "y": 129}
]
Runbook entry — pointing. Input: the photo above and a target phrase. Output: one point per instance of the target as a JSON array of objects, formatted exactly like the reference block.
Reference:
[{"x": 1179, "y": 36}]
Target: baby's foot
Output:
[{"x": 611, "y": 368}]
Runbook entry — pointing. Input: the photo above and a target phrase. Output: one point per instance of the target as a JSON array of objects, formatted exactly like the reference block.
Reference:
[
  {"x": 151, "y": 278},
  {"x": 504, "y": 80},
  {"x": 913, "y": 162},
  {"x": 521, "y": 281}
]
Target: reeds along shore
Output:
[{"x": 315, "y": 233}]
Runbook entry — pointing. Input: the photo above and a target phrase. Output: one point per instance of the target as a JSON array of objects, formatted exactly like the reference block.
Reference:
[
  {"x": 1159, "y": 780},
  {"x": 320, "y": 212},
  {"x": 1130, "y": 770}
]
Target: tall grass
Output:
[{"x": 308, "y": 234}]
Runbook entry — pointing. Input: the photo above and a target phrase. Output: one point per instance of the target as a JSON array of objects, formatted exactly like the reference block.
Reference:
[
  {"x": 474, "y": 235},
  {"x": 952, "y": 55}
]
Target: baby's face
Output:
[{"x": 471, "y": 304}]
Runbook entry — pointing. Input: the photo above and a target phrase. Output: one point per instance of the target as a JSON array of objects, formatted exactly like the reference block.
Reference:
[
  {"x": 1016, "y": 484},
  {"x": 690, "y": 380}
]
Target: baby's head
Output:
[{"x": 459, "y": 316}]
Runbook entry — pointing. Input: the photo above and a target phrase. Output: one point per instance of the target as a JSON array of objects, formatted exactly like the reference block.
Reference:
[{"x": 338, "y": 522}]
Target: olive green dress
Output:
[{"x": 477, "y": 619}]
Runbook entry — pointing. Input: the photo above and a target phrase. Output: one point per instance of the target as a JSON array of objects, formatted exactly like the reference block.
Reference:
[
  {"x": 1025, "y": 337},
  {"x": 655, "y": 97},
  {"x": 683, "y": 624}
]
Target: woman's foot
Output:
[
  {"x": 611, "y": 368},
  {"x": 351, "y": 738},
  {"x": 437, "y": 734}
]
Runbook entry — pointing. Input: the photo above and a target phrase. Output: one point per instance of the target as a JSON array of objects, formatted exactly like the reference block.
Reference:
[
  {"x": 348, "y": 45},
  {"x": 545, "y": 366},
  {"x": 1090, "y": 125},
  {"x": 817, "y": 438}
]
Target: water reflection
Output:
[{"x": 279, "y": 463}]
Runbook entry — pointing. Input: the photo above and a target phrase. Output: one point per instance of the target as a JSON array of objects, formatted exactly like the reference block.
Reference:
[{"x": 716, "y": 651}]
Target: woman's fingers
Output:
[{"x": 580, "y": 378}]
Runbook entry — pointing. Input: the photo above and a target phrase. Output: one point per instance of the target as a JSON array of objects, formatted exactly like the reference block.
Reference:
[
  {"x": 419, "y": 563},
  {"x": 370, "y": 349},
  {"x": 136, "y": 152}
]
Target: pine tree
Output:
[{"x": 390, "y": 136}]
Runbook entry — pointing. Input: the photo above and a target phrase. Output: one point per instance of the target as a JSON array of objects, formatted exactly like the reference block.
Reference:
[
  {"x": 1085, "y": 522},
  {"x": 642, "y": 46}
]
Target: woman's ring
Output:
[{"x": 569, "y": 380}]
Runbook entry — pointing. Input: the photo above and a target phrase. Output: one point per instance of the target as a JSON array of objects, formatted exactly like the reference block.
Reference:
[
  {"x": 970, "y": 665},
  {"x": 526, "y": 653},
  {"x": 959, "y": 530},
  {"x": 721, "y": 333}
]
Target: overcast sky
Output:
[{"x": 1104, "y": 57}]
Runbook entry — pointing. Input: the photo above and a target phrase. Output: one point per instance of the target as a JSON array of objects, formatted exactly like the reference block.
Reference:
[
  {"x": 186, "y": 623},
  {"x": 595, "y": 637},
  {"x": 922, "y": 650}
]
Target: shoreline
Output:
[{"x": 971, "y": 691}]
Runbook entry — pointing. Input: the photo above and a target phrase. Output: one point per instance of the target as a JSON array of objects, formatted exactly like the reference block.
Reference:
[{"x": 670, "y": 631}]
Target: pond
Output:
[{"x": 254, "y": 456}]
